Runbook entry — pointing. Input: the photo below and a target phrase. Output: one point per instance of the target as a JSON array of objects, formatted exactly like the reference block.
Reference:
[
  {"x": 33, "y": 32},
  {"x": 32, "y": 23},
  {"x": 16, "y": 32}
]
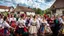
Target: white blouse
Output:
[
  {"x": 46, "y": 23},
  {"x": 5, "y": 24},
  {"x": 62, "y": 21},
  {"x": 12, "y": 19},
  {"x": 1, "y": 22},
  {"x": 37, "y": 23},
  {"x": 21, "y": 22}
]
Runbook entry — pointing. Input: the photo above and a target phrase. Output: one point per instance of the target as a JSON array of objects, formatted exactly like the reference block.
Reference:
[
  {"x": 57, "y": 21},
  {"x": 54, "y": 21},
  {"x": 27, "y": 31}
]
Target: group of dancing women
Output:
[{"x": 23, "y": 25}]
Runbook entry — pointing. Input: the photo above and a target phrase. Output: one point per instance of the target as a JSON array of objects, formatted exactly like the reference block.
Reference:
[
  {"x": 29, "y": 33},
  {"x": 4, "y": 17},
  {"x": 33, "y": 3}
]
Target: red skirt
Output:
[
  {"x": 25, "y": 29},
  {"x": 1, "y": 31},
  {"x": 13, "y": 25}
]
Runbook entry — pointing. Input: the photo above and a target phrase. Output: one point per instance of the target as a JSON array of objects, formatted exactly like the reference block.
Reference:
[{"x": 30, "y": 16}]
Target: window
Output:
[
  {"x": 62, "y": 12},
  {"x": 54, "y": 11}
]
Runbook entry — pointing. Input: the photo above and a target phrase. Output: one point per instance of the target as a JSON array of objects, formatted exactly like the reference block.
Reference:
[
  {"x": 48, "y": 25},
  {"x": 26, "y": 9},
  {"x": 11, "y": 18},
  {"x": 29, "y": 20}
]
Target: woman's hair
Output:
[
  {"x": 1, "y": 15},
  {"x": 34, "y": 16},
  {"x": 22, "y": 15},
  {"x": 4, "y": 18}
]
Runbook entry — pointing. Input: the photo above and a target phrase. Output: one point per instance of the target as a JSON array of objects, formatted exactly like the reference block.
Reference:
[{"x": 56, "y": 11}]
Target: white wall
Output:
[
  {"x": 59, "y": 11},
  {"x": 3, "y": 10},
  {"x": 30, "y": 13}
]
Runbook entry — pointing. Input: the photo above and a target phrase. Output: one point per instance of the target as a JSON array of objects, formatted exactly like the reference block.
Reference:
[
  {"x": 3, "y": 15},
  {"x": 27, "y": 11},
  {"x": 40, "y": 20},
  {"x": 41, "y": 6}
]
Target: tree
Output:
[
  {"x": 38, "y": 11},
  {"x": 47, "y": 11}
]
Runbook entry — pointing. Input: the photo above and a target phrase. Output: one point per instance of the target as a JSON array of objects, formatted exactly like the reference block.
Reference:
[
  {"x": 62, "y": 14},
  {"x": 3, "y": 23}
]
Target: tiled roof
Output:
[
  {"x": 58, "y": 4},
  {"x": 24, "y": 9},
  {"x": 4, "y": 7}
]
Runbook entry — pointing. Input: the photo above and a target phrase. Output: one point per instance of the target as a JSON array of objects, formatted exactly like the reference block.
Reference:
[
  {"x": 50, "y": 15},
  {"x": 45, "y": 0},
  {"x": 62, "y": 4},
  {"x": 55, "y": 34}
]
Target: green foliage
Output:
[
  {"x": 41, "y": 12},
  {"x": 5, "y": 13},
  {"x": 47, "y": 11},
  {"x": 38, "y": 11}
]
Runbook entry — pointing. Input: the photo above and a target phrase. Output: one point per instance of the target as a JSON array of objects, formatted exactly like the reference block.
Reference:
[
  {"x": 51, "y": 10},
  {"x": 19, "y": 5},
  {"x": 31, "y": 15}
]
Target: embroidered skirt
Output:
[{"x": 32, "y": 29}]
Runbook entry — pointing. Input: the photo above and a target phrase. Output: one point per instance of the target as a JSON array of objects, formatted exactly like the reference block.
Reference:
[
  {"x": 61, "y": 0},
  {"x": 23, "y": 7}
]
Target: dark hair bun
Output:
[{"x": 5, "y": 18}]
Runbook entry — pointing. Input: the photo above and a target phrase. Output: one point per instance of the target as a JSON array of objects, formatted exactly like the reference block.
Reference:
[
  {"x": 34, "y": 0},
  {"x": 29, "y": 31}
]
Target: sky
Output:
[{"x": 42, "y": 4}]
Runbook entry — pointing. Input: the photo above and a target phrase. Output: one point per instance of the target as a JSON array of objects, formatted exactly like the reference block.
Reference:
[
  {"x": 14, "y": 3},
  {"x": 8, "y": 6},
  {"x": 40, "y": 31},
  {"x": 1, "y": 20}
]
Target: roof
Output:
[
  {"x": 4, "y": 7},
  {"x": 58, "y": 4},
  {"x": 24, "y": 9}
]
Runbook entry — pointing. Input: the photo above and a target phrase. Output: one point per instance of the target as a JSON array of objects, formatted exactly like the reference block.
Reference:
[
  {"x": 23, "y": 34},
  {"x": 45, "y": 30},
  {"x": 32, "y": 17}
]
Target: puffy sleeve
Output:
[
  {"x": 14, "y": 19},
  {"x": 24, "y": 21},
  {"x": 62, "y": 21},
  {"x": 38, "y": 24},
  {"x": 10, "y": 19},
  {"x": 19, "y": 20},
  {"x": 6, "y": 25},
  {"x": 47, "y": 23}
]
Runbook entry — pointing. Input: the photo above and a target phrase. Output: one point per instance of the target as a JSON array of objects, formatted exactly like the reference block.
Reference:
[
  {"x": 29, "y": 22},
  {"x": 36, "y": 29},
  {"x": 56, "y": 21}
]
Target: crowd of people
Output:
[{"x": 23, "y": 25}]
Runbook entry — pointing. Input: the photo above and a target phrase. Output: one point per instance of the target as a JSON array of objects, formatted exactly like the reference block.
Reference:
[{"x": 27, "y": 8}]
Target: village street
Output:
[{"x": 31, "y": 17}]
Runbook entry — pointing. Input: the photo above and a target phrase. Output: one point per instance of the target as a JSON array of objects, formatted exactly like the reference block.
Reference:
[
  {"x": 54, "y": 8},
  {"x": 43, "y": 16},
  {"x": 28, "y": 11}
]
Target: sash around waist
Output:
[{"x": 33, "y": 24}]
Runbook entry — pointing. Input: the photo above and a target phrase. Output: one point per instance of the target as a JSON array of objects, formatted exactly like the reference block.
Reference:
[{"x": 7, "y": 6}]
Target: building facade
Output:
[
  {"x": 25, "y": 10},
  {"x": 58, "y": 7},
  {"x": 5, "y": 9}
]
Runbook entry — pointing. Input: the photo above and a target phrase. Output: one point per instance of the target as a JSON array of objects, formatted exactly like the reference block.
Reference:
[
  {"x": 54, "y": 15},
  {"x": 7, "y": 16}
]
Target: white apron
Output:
[{"x": 33, "y": 27}]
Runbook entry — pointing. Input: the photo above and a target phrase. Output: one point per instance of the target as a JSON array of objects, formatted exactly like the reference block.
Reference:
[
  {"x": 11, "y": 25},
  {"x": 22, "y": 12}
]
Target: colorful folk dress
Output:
[
  {"x": 46, "y": 27},
  {"x": 21, "y": 25},
  {"x": 33, "y": 27},
  {"x": 1, "y": 27},
  {"x": 6, "y": 27},
  {"x": 13, "y": 22},
  {"x": 62, "y": 28}
]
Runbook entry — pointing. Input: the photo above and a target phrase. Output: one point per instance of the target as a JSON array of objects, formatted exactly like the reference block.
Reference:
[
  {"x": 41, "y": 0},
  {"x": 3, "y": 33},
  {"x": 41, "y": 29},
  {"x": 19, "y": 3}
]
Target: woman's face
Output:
[
  {"x": 12, "y": 15},
  {"x": 36, "y": 17},
  {"x": 7, "y": 19},
  {"x": 31, "y": 16},
  {"x": 9, "y": 16},
  {"x": 24, "y": 17},
  {"x": 63, "y": 17},
  {"x": 43, "y": 18}
]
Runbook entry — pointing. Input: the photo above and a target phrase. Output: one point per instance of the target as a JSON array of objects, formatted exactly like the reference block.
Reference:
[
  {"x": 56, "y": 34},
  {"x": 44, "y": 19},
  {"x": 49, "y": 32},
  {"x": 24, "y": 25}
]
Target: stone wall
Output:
[{"x": 59, "y": 11}]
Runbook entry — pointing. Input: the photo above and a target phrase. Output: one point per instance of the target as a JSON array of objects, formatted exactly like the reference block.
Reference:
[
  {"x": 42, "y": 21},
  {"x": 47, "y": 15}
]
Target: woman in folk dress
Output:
[
  {"x": 6, "y": 27},
  {"x": 1, "y": 26},
  {"x": 42, "y": 27},
  {"x": 21, "y": 25},
  {"x": 62, "y": 28},
  {"x": 33, "y": 27},
  {"x": 45, "y": 28},
  {"x": 13, "y": 21}
]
